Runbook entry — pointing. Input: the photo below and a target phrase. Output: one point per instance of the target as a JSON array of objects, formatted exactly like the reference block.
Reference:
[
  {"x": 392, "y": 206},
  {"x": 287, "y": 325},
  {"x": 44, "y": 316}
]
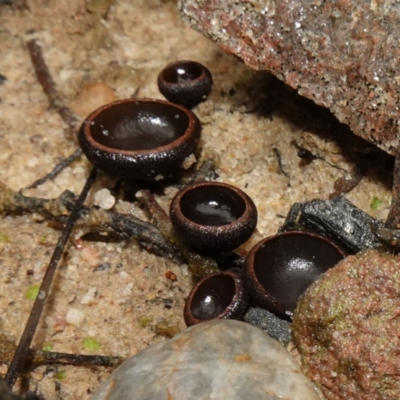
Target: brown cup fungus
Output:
[
  {"x": 279, "y": 268},
  {"x": 213, "y": 217},
  {"x": 140, "y": 139},
  {"x": 185, "y": 82},
  {"x": 216, "y": 296}
]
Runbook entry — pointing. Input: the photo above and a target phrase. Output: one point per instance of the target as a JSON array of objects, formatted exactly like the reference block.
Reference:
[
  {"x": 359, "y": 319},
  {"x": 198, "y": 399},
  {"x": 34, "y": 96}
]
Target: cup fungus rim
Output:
[
  {"x": 274, "y": 305},
  {"x": 247, "y": 213},
  {"x": 237, "y": 279},
  {"x": 205, "y": 73},
  {"x": 192, "y": 128}
]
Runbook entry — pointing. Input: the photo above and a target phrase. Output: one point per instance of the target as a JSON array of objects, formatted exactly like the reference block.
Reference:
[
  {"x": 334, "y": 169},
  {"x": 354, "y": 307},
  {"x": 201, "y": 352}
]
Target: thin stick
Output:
[
  {"x": 49, "y": 88},
  {"x": 92, "y": 219},
  {"x": 57, "y": 169},
  {"x": 40, "y": 357},
  {"x": 198, "y": 265},
  {"x": 158, "y": 215},
  {"x": 22, "y": 351},
  {"x": 280, "y": 163},
  {"x": 347, "y": 183}
]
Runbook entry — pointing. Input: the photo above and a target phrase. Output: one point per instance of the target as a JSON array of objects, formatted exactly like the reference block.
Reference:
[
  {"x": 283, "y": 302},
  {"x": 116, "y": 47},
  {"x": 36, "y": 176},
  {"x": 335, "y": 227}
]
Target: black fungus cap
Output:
[
  {"x": 279, "y": 268},
  {"x": 217, "y": 296},
  {"x": 140, "y": 139},
  {"x": 213, "y": 216},
  {"x": 185, "y": 82}
]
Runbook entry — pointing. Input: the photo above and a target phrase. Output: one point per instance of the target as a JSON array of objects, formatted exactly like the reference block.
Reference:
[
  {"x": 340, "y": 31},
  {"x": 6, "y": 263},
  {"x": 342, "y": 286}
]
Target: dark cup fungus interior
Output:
[
  {"x": 213, "y": 216},
  {"x": 280, "y": 268},
  {"x": 185, "y": 82},
  {"x": 212, "y": 205},
  {"x": 216, "y": 296},
  {"x": 140, "y": 139}
]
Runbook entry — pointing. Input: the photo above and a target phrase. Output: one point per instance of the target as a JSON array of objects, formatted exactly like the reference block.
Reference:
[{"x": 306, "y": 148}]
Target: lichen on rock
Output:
[{"x": 346, "y": 328}]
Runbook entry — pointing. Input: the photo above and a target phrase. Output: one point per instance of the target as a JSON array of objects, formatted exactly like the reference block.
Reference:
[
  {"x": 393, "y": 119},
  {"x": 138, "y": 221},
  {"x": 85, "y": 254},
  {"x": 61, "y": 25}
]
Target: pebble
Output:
[
  {"x": 90, "y": 296},
  {"x": 104, "y": 199},
  {"x": 218, "y": 360},
  {"x": 75, "y": 317}
]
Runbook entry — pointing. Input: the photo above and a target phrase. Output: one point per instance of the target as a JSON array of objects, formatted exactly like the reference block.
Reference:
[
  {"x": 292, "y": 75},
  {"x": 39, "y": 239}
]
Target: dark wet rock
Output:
[
  {"x": 276, "y": 327},
  {"x": 344, "y": 55},
  {"x": 219, "y": 360},
  {"x": 339, "y": 219},
  {"x": 346, "y": 328}
]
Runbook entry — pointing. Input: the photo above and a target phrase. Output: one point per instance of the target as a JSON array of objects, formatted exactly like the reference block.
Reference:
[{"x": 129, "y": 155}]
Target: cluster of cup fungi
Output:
[
  {"x": 140, "y": 139},
  {"x": 147, "y": 139}
]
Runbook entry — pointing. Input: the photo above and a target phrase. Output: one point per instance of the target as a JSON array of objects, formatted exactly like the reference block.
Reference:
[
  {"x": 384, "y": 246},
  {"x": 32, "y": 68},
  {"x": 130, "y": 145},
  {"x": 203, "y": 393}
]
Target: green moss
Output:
[
  {"x": 243, "y": 78},
  {"x": 90, "y": 344},
  {"x": 60, "y": 375},
  {"x": 201, "y": 266},
  {"x": 47, "y": 347},
  {"x": 43, "y": 239},
  {"x": 375, "y": 203},
  {"x": 4, "y": 238},
  {"x": 145, "y": 320},
  {"x": 166, "y": 328},
  {"x": 32, "y": 292}
]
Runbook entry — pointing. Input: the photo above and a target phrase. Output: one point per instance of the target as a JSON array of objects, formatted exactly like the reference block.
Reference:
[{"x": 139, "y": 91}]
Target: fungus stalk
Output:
[{"x": 198, "y": 265}]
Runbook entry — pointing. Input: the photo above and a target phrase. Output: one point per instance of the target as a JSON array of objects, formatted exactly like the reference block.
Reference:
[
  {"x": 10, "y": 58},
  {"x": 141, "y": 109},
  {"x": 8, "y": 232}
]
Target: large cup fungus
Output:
[{"x": 140, "y": 139}]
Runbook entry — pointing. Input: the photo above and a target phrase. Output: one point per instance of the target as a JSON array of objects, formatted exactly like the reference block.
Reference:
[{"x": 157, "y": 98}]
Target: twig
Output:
[
  {"x": 6, "y": 394},
  {"x": 39, "y": 357},
  {"x": 158, "y": 215},
  {"x": 347, "y": 183},
  {"x": 57, "y": 169},
  {"x": 280, "y": 163},
  {"x": 389, "y": 237},
  {"x": 308, "y": 156},
  {"x": 91, "y": 219},
  {"x": 49, "y": 88},
  {"x": 19, "y": 359},
  {"x": 198, "y": 265}
]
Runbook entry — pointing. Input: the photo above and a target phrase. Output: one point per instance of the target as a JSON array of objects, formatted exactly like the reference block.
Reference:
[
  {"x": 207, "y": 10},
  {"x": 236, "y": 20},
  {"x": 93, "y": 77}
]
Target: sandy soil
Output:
[{"x": 250, "y": 123}]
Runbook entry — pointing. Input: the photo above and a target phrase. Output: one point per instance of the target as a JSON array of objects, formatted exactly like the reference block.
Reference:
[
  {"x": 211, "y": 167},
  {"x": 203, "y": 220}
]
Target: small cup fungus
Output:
[
  {"x": 213, "y": 216},
  {"x": 185, "y": 82},
  {"x": 216, "y": 296}
]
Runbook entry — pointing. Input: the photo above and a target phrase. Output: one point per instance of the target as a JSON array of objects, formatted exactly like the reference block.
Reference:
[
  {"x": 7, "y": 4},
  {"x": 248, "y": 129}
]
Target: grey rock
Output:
[
  {"x": 218, "y": 360},
  {"x": 276, "y": 327},
  {"x": 344, "y": 55}
]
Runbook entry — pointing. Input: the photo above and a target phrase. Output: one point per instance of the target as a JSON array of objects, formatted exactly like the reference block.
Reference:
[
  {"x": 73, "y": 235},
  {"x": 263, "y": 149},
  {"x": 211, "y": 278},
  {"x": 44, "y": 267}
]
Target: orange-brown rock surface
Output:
[
  {"x": 342, "y": 54},
  {"x": 346, "y": 329}
]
